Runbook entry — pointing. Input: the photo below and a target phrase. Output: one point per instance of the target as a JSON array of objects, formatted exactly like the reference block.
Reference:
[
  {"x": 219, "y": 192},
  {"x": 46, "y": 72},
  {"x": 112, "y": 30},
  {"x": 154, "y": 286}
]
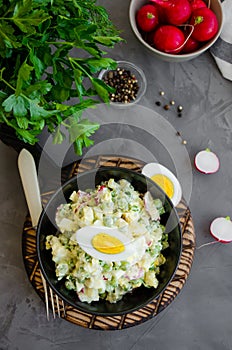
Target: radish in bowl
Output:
[
  {"x": 190, "y": 45},
  {"x": 205, "y": 24},
  {"x": 188, "y": 50},
  {"x": 175, "y": 11},
  {"x": 207, "y": 162},
  {"x": 169, "y": 38},
  {"x": 196, "y": 4},
  {"x": 221, "y": 229},
  {"x": 147, "y": 18}
]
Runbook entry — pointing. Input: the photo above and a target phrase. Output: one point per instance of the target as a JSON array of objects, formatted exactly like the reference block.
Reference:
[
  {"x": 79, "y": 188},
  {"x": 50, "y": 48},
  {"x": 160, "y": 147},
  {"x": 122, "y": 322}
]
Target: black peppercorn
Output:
[
  {"x": 125, "y": 84},
  {"x": 110, "y": 75}
]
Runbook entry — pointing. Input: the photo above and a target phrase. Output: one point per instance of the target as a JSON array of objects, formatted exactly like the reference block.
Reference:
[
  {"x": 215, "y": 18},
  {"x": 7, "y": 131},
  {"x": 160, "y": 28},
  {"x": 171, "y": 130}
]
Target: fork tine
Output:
[
  {"x": 58, "y": 305},
  {"x": 63, "y": 307},
  {"x": 52, "y": 301},
  {"x": 46, "y": 294}
]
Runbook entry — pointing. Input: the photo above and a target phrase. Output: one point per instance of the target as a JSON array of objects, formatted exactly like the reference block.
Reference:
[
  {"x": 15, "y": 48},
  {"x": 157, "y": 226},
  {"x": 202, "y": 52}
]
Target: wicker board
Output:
[{"x": 130, "y": 319}]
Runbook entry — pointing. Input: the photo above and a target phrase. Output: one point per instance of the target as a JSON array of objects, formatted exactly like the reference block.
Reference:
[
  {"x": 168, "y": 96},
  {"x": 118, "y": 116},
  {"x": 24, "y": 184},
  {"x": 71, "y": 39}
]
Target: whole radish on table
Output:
[{"x": 177, "y": 26}]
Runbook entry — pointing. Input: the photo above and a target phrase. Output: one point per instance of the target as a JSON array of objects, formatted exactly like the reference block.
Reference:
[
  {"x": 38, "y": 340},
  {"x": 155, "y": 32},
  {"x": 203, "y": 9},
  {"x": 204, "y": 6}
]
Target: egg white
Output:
[
  {"x": 134, "y": 248},
  {"x": 152, "y": 169}
]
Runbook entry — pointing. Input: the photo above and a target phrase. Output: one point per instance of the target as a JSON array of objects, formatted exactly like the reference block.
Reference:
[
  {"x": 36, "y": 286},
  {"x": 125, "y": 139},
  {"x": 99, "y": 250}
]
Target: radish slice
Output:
[
  {"x": 221, "y": 229},
  {"x": 207, "y": 162}
]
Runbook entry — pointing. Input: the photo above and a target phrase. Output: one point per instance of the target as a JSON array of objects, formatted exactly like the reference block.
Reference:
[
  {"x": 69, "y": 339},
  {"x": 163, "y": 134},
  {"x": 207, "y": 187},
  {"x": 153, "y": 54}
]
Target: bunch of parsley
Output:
[{"x": 50, "y": 52}]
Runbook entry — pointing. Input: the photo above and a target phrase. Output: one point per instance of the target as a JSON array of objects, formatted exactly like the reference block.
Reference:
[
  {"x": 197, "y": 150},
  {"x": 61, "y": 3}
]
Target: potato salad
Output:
[{"x": 110, "y": 241}]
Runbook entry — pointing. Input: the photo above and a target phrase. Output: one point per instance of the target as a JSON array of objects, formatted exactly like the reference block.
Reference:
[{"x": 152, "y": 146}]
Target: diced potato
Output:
[{"x": 150, "y": 279}]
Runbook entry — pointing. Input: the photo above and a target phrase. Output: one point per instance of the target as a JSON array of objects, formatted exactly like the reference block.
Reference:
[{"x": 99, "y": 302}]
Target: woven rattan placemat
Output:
[{"x": 130, "y": 319}]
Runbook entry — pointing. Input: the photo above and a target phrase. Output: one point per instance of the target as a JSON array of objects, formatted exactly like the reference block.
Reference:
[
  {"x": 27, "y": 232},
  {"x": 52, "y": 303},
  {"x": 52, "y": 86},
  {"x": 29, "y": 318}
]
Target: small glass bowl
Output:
[{"x": 140, "y": 80}]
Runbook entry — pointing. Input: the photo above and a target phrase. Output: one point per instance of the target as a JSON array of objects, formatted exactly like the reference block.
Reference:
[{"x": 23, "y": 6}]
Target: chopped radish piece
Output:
[
  {"x": 221, "y": 229},
  {"x": 207, "y": 162}
]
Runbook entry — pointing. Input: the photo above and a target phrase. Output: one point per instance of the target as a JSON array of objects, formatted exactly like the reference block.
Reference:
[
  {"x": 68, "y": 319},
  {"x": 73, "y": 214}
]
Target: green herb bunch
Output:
[{"x": 50, "y": 52}]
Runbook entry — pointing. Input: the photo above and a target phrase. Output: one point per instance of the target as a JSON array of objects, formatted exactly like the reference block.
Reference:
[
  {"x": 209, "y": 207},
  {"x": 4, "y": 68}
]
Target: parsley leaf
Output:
[
  {"x": 16, "y": 104},
  {"x": 50, "y": 55},
  {"x": 79, "y": 135}
]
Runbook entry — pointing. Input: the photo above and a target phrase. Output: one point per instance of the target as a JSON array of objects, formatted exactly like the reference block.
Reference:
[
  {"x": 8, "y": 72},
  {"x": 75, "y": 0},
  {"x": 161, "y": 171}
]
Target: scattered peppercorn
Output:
[
  {"x": 184, "y": 142},
  {"x": 125, "y": 85},
  {"x": 171, "y": 103}
]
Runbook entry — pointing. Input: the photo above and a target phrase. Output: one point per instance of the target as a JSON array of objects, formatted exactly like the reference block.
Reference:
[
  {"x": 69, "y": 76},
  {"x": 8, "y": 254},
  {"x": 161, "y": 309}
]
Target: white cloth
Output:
[{"x": 222, "y": 49}]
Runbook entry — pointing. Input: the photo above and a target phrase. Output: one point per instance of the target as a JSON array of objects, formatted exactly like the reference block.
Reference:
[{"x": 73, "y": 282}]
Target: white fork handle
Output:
[{"x": 28, "y": 174}]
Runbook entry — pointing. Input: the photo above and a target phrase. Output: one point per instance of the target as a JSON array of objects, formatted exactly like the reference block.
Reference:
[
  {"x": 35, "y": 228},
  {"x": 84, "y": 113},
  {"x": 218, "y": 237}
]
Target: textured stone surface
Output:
[{"x": 200, "y": 317}]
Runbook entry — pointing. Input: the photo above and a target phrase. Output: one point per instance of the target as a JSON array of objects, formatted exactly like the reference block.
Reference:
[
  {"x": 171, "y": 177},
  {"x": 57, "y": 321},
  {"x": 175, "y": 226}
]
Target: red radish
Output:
[
  {"x": 196, "y": 4},
  {"x": 161, "y": 13},
  {"x": 207, "y": 162},
  {"x": 205, "y": 24},
  {"x": 147, "y": 18},
  {"x": 191, "y": 45},
  {"x": 221, "y": 229},
  {"x": 168, "y": 38},
  {"x": 163, "y": 3},
  {"x": 148, "y": 37},
  {"x": 176, "y": 11}
]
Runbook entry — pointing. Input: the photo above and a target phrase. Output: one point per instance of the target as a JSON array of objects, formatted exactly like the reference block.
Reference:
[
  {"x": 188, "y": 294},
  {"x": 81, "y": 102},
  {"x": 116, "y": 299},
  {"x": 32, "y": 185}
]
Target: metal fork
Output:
[
  {"x": 28, "y": 174},
  {"x": 48, "y": 290}
]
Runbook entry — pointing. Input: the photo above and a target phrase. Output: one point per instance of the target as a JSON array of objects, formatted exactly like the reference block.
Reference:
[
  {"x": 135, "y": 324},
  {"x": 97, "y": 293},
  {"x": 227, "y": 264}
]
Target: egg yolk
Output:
[
  {"x": 165, "y": 183},
  {"x": 107, "y": 244}
]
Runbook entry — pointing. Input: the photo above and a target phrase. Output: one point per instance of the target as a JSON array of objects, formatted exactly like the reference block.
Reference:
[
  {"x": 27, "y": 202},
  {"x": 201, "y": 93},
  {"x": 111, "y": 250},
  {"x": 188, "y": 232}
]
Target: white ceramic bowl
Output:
[
  {"x": 139, "y": 75},
  {"x": 215, "y": 6}
]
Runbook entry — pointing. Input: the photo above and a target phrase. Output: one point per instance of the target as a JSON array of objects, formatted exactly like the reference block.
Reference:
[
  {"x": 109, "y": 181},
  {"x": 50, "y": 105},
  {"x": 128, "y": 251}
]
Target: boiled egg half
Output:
[
  {"x": 109, "y": 244},
  {"x": 165, "y": 179}
]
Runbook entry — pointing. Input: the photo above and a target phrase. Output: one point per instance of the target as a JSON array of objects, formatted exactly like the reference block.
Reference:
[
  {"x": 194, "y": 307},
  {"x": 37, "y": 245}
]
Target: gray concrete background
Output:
[{"x": 201, "y": 316}]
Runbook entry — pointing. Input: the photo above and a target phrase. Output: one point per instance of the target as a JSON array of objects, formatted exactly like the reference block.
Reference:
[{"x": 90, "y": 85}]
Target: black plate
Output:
[{"x": 140, "y": 296}]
